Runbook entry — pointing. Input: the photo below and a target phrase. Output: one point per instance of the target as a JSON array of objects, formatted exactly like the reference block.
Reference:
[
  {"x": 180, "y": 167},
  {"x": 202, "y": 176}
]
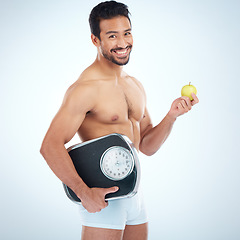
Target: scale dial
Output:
[{"x": 116, "y": 163}]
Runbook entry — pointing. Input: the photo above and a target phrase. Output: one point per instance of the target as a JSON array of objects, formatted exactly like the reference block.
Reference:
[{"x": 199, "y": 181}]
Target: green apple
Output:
[{"x": 187, "y": 90}]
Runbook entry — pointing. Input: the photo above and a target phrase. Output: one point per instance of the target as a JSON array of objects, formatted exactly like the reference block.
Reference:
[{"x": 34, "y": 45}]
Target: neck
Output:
[{"x": 108, "y": 67}]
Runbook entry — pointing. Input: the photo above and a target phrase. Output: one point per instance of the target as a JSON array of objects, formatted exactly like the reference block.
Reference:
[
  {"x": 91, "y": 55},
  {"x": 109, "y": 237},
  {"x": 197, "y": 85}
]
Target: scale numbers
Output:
[{"x": 116, "y": 163}]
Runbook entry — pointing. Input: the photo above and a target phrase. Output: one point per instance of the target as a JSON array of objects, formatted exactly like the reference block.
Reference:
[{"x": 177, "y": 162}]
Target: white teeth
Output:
[{"x": 121, "y": 52}]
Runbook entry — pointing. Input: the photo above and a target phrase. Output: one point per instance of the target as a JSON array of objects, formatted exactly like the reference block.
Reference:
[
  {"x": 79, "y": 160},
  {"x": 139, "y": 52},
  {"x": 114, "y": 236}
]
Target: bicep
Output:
[
  {"x": 145, "y": 124},
  {"x": 69, "y": 117},
  {"x": 64, "y": 125}
]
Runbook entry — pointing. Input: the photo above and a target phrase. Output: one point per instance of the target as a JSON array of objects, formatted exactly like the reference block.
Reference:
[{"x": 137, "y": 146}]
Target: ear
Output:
[{"x": 95, "y": 40}]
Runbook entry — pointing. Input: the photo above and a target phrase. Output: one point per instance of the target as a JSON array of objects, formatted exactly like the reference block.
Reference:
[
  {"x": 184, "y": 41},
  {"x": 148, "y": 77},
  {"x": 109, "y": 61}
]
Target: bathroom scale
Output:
[{"x": 104, "y": 162}]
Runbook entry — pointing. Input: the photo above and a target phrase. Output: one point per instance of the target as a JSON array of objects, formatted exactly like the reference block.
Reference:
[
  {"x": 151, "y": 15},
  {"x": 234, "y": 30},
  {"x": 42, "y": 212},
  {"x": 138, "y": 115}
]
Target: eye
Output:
[
  {"x": 112, "y": 36},
  {"x": 127, "y": 33}
]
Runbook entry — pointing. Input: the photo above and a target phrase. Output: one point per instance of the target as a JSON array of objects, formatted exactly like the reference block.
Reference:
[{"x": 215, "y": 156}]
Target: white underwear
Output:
[{"x": 118, "y": 214}]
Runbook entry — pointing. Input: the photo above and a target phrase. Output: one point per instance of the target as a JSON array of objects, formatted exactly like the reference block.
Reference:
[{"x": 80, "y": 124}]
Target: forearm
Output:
[
  {"x": 61, "y": 164},
  {"x": 153, "y": 139}
]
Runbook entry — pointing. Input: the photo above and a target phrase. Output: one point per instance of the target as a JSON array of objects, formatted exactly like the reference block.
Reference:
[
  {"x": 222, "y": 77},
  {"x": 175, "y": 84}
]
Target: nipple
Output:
[{"x": 115, "y": 118}]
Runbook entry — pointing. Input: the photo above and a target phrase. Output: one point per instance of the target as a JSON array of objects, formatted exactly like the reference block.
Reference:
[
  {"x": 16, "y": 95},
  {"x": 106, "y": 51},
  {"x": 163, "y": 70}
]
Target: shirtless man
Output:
[{"x": 107, "y": 100}]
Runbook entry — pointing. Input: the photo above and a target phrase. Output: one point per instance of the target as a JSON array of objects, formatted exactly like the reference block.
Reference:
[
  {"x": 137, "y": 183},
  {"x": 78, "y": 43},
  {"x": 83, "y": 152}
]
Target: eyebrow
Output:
[{"x": 111, "y": 32}]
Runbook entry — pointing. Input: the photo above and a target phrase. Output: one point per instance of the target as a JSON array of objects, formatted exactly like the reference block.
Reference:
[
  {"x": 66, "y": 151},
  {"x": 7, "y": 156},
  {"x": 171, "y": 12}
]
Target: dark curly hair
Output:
[{"x": 106, "y": 10}]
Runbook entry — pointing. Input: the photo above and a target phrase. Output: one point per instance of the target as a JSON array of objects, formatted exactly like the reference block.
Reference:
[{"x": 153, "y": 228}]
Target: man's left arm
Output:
[{"x": 152, "y": 138}]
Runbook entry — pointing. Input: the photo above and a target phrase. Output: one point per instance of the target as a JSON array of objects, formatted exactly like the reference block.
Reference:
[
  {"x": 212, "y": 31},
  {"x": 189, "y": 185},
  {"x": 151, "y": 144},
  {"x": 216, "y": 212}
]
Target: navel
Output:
[{"x": 115, "y": 118}]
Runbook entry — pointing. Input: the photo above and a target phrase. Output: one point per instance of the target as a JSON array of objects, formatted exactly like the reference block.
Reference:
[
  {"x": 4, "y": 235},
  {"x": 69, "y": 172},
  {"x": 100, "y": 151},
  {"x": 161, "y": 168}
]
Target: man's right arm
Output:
[{"x": 77, "y": 102}]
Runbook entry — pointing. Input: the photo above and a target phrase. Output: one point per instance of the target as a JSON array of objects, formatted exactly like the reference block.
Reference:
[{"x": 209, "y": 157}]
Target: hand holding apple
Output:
[
  {"x": 188, "y": 90},
  {"x": 184, "y": 104}
]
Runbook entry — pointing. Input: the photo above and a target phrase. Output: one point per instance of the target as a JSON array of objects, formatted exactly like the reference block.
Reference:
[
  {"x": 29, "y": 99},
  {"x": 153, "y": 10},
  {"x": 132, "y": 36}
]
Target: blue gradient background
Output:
[{"x": 192, "y": 184}]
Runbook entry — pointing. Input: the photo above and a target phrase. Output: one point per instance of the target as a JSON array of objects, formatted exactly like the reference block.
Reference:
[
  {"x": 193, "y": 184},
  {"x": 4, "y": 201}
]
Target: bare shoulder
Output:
[
  {"x": 81, "y": 88},
  {"x": 87, "y": 82},
  {"x": 139, "y": 84},
  {"x": 82, "y": 95}
]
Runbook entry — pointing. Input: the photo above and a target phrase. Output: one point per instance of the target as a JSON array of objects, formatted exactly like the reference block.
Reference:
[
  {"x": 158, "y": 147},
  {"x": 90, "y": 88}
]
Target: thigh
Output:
[
  {"x": 136, "y": 232},
  {"x": 91, "y": 233}
]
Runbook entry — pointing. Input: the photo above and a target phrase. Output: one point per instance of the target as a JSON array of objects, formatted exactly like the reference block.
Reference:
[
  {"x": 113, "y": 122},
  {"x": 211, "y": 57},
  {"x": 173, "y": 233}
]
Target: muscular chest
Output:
[{"x": 119, "y": 103}]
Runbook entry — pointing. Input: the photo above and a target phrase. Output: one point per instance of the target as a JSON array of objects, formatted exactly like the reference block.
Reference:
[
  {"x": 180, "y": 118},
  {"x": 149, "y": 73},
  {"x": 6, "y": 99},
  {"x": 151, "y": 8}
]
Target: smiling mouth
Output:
[{"x": 122, "y": 52}]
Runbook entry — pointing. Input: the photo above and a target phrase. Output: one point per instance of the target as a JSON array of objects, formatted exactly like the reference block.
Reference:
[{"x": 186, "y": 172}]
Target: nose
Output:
[{"x": 122, "y": 43}]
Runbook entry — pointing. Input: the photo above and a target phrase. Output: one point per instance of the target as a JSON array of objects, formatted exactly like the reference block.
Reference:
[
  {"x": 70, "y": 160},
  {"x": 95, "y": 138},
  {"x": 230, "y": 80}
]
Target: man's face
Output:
[{"x": 116, "y": 39}]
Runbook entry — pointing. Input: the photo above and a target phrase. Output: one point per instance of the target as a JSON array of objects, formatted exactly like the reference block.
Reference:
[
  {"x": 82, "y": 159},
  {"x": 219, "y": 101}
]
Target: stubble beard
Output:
[{"x": 115, "y": 60}]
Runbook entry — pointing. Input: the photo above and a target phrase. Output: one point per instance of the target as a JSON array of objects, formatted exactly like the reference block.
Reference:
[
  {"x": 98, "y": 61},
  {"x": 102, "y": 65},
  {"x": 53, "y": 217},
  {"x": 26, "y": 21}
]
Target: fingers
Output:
[
  {"x": 195, "y": 99},
  {"x": 104, "y": 191},
  {"x": 102, "y": 205},
  {"x": 184, "y": 104},
  {"x": 111, "y": 190}
]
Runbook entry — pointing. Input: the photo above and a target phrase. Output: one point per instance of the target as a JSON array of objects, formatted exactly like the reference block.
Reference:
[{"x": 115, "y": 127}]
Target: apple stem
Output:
[{"x": 189, "y": 83}]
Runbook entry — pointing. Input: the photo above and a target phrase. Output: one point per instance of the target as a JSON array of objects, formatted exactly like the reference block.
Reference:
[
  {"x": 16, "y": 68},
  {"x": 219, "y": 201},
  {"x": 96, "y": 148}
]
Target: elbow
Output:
[
  {"x": 147, "y": 151},
  {"x": 48, "y": 145},
  {"x": 149, "y": 148},
  {"x": 43, "y": 149}
]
